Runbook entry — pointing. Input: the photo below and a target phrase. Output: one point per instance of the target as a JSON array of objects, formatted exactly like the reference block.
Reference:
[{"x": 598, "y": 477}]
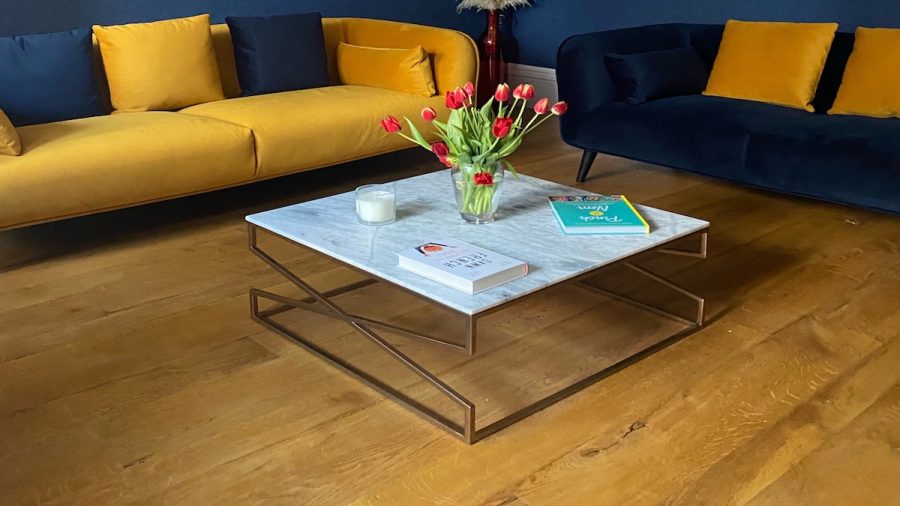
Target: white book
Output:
[{"x": 461, "y": 265}]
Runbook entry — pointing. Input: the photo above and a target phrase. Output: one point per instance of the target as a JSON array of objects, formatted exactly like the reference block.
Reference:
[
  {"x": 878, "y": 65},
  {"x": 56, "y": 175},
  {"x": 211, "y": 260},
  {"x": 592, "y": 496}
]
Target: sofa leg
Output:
[{"x": 587, "y": 159}]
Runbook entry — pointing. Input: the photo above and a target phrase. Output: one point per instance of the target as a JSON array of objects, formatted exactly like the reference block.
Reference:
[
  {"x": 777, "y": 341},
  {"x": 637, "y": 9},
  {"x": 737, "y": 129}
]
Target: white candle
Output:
[{"x": 376, "y": 206}]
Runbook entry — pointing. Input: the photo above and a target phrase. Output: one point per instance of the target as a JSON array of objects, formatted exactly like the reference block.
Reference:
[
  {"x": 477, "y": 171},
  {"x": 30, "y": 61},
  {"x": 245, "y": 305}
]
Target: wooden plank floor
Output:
[{"x": 130, "y": 372}]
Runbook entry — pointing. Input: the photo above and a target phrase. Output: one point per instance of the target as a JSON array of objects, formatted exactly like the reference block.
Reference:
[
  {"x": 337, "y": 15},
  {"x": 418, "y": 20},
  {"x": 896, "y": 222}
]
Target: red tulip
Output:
[
  {"x": 524, "y": 92},
  {"x": 454, "y": 101},
  {"x": 483, "y": 179},
  {"x": 559, "y": 108},
  {"x": 442, "y": 152},
  {"x": 440, "y": 149},
  {"x": 461, "y": 96},
  {"x": 517, "y": 92},
  {"x": 469, "y": 88},
  {"x": 501, "y": 127},
  {"x": 502, "y": 93},
  {"x": 542, "y": 106},
  {"x": 391, "y": 125},
  {"x": 429, "y": 114}
]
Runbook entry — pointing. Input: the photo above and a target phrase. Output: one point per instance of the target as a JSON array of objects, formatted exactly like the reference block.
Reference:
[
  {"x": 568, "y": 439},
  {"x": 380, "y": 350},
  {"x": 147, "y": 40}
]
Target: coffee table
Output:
[{"x": 525, "y": 229}]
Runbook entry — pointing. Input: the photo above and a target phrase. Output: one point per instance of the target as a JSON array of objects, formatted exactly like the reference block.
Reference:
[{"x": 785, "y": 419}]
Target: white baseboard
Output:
[{"x": 543, "y": 79}]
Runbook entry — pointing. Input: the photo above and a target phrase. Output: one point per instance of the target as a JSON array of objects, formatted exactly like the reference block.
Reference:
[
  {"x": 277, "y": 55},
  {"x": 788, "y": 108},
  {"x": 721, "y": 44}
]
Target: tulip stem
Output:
[
  {"x": 410, "y": 139},
  {"x": 521, "y": 111},
  {"x": 545, "y": 118}
]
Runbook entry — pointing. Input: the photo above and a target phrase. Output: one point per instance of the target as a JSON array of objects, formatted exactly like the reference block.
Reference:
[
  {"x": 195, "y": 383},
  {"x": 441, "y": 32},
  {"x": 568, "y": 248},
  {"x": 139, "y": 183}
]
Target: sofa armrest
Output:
[
  {"x": 454, "y": 54},
  {"x": 581, "y": 72}
]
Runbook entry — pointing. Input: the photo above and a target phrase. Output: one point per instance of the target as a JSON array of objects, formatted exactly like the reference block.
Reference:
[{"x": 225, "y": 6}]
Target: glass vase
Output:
[{"x": 477, "y": 191}]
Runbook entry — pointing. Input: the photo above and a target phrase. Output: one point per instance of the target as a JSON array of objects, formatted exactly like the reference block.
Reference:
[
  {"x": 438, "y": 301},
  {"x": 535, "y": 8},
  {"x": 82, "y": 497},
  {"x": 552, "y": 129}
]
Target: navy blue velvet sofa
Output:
[{"x": 845, "y": 159}]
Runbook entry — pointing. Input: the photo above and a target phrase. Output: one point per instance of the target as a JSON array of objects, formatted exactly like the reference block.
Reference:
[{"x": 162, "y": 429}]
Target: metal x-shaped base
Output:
[{"x": 321, "y": 303}]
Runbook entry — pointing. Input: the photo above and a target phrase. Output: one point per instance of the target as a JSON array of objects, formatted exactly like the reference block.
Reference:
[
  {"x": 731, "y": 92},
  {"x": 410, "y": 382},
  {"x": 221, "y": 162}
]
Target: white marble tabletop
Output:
[{"x": 426, "y": 211}]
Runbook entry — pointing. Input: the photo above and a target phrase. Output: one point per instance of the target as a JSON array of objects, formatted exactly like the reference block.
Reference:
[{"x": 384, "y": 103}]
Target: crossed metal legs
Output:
[{"x": 320, "y": 303}]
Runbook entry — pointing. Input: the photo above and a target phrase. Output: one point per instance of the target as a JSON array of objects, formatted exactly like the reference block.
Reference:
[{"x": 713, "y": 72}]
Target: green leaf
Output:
[
  {"x": 510, "y": 168},
  {"x": 486, "y": 109},
  {"x": 417, "y": 136},
  {"x": 510, "y": 148},
  {"x": 460, "y": 138},
  {"x": 456, "y": 120}
]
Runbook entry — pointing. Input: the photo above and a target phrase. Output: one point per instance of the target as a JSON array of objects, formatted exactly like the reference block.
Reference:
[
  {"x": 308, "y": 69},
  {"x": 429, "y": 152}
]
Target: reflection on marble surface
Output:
[{"x": 525, "y": 229}]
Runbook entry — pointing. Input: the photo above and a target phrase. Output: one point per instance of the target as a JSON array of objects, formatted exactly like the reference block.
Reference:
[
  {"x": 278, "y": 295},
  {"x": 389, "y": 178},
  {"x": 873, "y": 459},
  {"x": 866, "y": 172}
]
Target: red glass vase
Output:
[{"x": 494, "y": 70}]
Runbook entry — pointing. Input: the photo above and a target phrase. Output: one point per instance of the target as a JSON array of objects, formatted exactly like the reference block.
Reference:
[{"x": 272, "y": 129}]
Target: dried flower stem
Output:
[{"x": 490, "y": 5}]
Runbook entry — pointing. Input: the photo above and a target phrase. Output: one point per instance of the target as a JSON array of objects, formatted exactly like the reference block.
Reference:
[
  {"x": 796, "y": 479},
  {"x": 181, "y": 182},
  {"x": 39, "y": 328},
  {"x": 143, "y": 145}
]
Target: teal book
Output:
[{"x": 597, "y": 214}]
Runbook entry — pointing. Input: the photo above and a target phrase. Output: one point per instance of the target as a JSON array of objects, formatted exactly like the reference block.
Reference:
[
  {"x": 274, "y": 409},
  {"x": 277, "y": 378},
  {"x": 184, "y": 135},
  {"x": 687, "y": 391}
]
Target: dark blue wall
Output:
[
  {"x": 539, "y": 28},
  {"x": 543, "y": 26},
  {"x": 37, "y": 16}
]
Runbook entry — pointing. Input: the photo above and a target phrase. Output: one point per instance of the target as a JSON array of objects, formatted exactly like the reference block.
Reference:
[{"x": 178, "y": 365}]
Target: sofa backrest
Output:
[
  {"x": 585, "y": 82},
  {"x": 454, "y": 56}
]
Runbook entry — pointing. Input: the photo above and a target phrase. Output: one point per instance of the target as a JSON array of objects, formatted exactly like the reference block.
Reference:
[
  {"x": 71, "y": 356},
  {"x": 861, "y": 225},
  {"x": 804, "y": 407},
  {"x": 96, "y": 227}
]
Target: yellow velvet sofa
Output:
[{"x": 84, "y": 166}]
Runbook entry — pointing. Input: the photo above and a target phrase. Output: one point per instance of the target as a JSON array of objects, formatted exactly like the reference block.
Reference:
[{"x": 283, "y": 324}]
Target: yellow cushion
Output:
[
  {"x": 307, "y": 129},
  {"x": 160, "y": 66},
  {"x": 406, "y": 70},
  {"x": 9, "y": 139},
  {"x": 453, "y": 54},
  {"x": 871, "y": 83},
  {"x": 92, "y": 164},
  {"x": 777, "y": 63},
  {"x": 221, "y": 39}
]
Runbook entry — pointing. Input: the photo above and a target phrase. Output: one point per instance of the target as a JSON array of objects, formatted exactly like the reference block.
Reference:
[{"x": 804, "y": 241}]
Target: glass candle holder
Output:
[{"x": 376, "y": 204}]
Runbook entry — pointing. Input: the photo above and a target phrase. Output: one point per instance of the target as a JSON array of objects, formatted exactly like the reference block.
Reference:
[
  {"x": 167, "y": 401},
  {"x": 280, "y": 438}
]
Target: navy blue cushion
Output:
[
  {"x": 279, "y": 53},
  {"x": 648, "y": 76},
  {"x": 48, "y": 77}
]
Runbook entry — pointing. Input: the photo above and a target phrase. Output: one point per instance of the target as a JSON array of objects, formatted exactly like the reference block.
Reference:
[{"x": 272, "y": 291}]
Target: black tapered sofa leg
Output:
[{"x": 587, "y": 159}]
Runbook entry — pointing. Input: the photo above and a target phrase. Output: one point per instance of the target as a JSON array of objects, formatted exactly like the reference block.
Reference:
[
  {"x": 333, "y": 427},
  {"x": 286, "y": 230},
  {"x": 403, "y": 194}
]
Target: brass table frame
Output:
[{"x": 319, "y": 302}]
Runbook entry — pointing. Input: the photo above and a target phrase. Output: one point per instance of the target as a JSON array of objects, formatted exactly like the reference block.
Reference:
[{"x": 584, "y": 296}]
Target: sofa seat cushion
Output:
[
  {"x": 87, "y": 165},
  {"x": 307, "y": 129},
  {"x": 837, "y": 158},
  {"x": 706, "y": 134},
  {"x": 849, "y": 159}
]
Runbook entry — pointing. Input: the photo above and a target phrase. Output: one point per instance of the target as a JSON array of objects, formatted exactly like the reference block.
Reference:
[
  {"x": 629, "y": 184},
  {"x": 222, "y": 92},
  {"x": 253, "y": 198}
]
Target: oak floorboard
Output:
[
  {"x": 749, "y": 471},
  {"x": 108, "y": 354},
  {"x": 131, "y": 373},
  {"x": 858, "y": 465}
]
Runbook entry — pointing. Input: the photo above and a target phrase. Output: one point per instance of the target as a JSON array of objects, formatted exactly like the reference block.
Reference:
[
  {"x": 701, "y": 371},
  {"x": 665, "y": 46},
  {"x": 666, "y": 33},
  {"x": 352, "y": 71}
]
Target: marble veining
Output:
[{"x": 525, "y": 229}]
